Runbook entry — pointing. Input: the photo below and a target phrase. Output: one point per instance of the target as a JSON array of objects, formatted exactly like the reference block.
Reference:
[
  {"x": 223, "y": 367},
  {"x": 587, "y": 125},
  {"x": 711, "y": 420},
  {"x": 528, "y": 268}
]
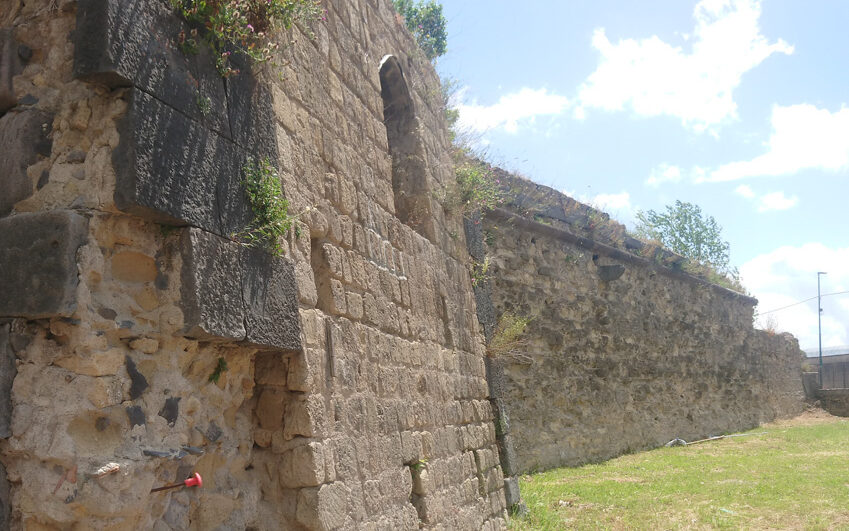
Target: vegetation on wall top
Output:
[
  {"x": 246, "y": 27},
  {"x": 478, "y": 190},
  {"x": 427, "y": 24},
  {"x": 684, "y": 229}
]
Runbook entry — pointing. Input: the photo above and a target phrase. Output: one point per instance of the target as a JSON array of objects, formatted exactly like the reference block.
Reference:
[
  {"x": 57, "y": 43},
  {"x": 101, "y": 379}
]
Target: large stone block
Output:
[
  {"x": 251, "y": 115},
  {"x": 174, "y": 170},
  {"x": 211, "y": 287},
  {"x": 122, "y": 43},
  {"x": 270, "y": 296},
  {"x": 24, "y": 136},
  {"x": 38, "y": 261},
  {"x": 233, "y": 292}
]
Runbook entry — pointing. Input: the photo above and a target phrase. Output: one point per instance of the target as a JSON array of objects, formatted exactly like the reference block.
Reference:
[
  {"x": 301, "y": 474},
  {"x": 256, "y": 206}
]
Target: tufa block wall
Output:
[
  {"x": 624, "y": 353},
  {"x": 339, "y": 386}
]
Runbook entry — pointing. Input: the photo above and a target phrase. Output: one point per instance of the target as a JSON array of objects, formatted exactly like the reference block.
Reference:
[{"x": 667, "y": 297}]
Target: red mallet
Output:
[{"x": 194, "y": 481}]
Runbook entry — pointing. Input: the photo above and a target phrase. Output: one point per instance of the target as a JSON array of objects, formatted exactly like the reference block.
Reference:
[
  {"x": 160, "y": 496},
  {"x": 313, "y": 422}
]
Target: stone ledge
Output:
[
  {"x": 235, "y": 293},
  {"x": 38, "y": 259},
  {"x": 606, "y": 250}
]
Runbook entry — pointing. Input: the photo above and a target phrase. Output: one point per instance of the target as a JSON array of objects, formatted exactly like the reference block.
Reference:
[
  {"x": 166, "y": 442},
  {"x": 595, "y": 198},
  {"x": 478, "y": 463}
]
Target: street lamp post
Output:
[{"x": 819, "y": 320}]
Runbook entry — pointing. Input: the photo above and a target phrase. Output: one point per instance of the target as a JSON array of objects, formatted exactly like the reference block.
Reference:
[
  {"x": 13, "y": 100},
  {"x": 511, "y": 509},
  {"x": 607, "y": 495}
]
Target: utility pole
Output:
[{"x": 819, "y": 319}]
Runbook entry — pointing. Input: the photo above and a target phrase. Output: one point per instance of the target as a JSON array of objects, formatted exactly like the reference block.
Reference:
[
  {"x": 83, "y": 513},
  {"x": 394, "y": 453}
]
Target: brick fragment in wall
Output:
[
  {"x": 232, "y": 292},
  {"x": 38, "y": 260},
  {"x": 122, "y": 43},
  {"x": 24, "y": 136}
]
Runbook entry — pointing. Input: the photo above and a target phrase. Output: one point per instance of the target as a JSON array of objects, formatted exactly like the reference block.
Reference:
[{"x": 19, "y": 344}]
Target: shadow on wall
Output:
[{"x": 409, "y": 181}]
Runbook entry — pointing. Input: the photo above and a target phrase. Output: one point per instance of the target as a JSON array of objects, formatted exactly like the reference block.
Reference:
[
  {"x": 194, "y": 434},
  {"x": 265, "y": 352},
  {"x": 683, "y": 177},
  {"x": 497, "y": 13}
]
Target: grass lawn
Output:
[{"x": 791, "y": 474}]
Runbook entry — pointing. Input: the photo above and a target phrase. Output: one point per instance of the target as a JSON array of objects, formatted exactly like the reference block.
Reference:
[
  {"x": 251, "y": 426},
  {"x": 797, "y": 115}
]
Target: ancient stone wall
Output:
[
  {"x": 344, "y": 383},
  {"x": 623, "y": 352},
  {"x": 341, "y": 385}
]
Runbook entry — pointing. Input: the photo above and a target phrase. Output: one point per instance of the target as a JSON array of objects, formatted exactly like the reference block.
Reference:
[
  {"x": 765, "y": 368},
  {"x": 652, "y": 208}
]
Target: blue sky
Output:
[{"x": 739, "y": 106}]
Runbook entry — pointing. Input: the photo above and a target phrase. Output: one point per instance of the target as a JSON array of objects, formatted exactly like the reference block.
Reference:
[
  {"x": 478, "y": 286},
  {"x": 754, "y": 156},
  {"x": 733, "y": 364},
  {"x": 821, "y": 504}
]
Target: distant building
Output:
[{"x": 835, "y": 366}]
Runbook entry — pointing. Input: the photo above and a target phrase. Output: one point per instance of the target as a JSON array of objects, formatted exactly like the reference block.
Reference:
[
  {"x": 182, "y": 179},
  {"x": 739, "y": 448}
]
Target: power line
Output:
[{"x": 800, "y": 302}]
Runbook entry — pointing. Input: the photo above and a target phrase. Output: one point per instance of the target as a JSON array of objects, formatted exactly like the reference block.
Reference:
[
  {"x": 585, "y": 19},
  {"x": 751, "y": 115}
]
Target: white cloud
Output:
[
  {"x": 803, "y": 137},
  {"x": 618, "y": 206},
  {"x": 745, "y": 191},
  {"x": 654, "y": 78},
  {"x": 767, "y": 202},
  {"x": 776, "y": 201},
  {"x": 788, "y": 275},
  {"x": 511, "y": 110},
  {"x": 664, "y": 173},
  {"x": 620, "y": 201}
]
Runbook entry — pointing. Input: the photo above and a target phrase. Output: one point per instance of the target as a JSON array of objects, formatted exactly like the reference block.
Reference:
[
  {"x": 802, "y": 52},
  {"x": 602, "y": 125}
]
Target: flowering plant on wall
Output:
[{"x": 243, "y": 26}]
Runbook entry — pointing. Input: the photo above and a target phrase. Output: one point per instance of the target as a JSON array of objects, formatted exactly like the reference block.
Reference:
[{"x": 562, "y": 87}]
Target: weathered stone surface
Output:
[
  {"x": 8, "y": 370},
  {"x": 133, "y": 267},
  {"x": 271, "y": 300},
  {"x": 325, "y": 507},
  {"x": 238, "y": 293},
  {"x": 252, "y": 120},
  {"x": 612, "y": 272},
  {"x": 24, "y": 136},
  {"x": 211, "y": 287},
  {"x": 174, "y": 170},
  {"x": 617, "y": 359},
  {"x": 513, "y": 497},
  {"x": 38, "y": 260},
  {"x": 122, "y": 43},
  {"x": 97, "y": 364},
  {"x": 5, "y": 500},
  {"x": 10, "y": 65}
]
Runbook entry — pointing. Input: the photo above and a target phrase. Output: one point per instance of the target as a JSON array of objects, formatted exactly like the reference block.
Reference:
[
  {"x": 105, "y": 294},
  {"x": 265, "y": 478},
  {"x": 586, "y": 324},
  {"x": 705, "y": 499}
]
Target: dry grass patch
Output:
[{"x": 791, "y": 474}]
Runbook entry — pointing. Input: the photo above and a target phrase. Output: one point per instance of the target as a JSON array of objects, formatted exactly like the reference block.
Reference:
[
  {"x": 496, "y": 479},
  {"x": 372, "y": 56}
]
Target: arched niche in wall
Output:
[{"x": 409, "y": 173}]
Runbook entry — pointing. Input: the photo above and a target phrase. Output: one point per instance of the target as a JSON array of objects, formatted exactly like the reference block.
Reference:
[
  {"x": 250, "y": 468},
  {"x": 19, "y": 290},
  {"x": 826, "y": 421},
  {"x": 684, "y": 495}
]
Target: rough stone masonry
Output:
[
  {"x": 342, "y": 385},
  {"x": 625, "y": 350}
]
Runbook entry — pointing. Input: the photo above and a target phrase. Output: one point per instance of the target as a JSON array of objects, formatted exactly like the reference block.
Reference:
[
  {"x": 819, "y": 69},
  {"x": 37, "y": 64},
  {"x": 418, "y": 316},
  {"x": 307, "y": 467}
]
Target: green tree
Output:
[
  {"x": 683, "y": 228},
  {"x": 427, "y": 24}
]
